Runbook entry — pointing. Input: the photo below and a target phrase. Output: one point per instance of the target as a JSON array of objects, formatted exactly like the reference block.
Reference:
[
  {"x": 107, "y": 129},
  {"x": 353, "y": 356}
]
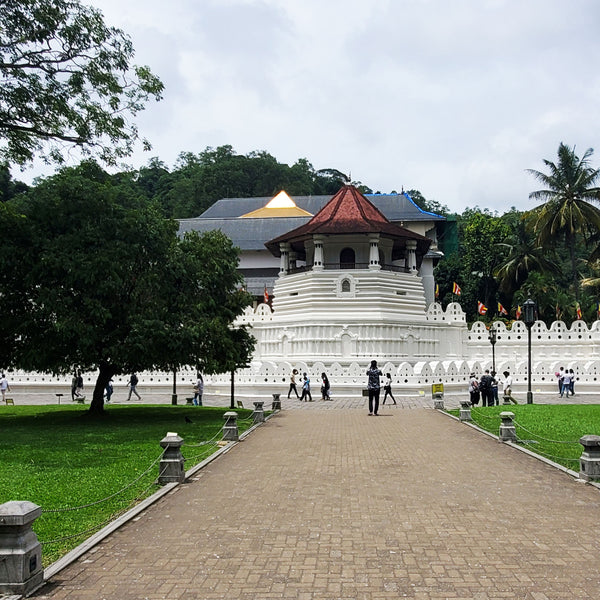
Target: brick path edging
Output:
[
  {"x": 516, "y": 446},
  {"x": 97, "y": 537}
]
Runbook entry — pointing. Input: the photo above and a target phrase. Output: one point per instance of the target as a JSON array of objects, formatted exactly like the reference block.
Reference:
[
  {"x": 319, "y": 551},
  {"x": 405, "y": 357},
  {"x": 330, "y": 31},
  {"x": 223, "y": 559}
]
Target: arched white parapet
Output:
[
  {"x": 336, "y": 370},
  {"x": 435, "y": 312},
  {"x": 264, "y": 312},
  {"x": 357, "y": 372},
  {"x": 478, "y": 332},
  {"x": 454, "y": 312},
  {"x": 387, "y": 367},
  {"x": 268, "y": 372},
  {"x": 595, "y": 326}
]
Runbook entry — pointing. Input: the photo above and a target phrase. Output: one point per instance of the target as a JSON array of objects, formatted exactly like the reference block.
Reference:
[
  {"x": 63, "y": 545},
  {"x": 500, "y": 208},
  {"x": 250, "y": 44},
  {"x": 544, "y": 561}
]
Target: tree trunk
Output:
[
  {"x": 571, "y": 244},
  {"x": 104, "y": 376}
]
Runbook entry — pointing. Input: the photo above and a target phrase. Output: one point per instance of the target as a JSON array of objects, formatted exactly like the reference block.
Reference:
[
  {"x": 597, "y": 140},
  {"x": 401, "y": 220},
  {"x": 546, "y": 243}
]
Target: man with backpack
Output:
[{"x": 485, "y": 387}]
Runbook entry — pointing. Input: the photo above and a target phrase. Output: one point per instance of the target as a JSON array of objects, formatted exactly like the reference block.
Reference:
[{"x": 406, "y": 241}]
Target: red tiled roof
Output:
[{"x": 348, "y": 212}]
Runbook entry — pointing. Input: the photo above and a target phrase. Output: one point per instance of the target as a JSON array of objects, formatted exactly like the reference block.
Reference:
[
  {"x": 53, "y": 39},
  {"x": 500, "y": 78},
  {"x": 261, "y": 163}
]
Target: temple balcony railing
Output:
[{"x": 348, "y": 267}]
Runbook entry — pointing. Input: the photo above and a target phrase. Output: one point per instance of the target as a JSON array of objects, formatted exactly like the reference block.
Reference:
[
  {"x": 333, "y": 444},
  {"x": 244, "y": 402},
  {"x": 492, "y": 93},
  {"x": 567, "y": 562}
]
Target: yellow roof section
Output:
[{"x": 279, "y": 206}]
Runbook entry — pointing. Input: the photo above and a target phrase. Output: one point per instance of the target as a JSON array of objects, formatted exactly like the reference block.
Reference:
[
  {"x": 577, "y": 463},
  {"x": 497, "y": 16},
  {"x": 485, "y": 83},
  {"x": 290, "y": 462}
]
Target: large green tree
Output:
[
  {"x": 568, "y": 210},
  {"x": 67, "y": 79},
  {"x": 94, "y": 278}
]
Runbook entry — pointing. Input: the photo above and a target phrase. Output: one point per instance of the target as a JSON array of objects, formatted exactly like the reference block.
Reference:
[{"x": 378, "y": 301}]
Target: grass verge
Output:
[
  {"x": 552, "y": 431},
  {"x": 59, "y": 457}
]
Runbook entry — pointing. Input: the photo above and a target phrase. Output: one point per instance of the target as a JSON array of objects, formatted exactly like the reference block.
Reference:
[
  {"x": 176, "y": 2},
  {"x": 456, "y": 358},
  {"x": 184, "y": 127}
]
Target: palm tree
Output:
[
  {"x": 567, "y": 211},
  {"x": 523, "y": 256}
]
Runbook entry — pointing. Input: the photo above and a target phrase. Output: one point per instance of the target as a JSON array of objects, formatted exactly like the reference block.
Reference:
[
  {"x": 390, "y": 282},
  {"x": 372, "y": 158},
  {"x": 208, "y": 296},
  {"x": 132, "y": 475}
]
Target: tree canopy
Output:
[
  {"x": 94, "y": 278},
  {"x": 67, "y": 79}
]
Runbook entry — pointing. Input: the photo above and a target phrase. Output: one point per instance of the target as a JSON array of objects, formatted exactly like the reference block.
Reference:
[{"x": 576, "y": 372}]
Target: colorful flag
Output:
[
  {"x": 502, "y": 310},
  {"x": 481, "y": 308},
  {"x": 598, "y": 310},
  {"x": 456, "y": 289},
  {"x": 518, "y": 312},
  {"x": 266, "y": 295},
  {"x": 437, "y": 291},
  {"x": 557, "y": 312},
  {"x": 578, "y": 311}
]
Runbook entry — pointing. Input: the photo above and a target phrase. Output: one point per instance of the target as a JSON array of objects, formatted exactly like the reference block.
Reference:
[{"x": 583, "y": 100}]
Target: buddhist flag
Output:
[
  {"x": 518, "y": 313},
  {"x": 481, "y": 308},
  {"x": 437, "y": 291},
  {"x": 557, "y": 312},
  {"x": 502, "y": 310},
  {"x": 456, "y": 289},
  {"x": 266, "y": 295},
  {"x": 598, "y": 310},
  {"x": 578, "y": 311}
]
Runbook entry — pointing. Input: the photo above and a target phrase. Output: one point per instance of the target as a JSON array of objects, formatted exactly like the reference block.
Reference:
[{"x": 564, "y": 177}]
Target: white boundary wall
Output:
[{"x": 576, "y": 347}]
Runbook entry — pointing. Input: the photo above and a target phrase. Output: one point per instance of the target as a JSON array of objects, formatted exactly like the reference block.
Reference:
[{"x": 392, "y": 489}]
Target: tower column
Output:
[
  {"x": 374, "y": 252},
  {"x": 411, "y": 256},
  {"x": 284, "y": 262},
  {"x": 318, "y": 258}
]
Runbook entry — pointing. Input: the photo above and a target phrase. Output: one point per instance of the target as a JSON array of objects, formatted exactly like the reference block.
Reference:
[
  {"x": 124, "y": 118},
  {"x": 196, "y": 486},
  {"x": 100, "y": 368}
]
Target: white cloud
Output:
[{"x": 456, "y": 99}]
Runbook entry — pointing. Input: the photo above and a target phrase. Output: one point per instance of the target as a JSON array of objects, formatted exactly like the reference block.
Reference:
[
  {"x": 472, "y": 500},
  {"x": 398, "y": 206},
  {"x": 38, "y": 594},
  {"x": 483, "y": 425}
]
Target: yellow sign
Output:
[{"x": 437, "y": 388}]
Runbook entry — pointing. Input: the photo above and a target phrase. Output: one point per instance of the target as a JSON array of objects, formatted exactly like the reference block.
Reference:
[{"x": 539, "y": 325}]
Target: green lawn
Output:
[
  {"x": 59, "y": 457},
  {"x": 552, "y": 431}
]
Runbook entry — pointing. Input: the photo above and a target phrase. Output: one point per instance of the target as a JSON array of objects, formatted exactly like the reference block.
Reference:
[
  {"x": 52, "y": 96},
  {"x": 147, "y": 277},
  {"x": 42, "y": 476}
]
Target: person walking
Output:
[
  {"x": 374, "y": 388},
  {"x": 132, "y": 383},
  {"x": 474, "y": 389},
  {"x": 566, "y": 384},
  {"x": 198, "y": 390},
  {"x": 109, "y": 390},
  {"x": 560, "y": 374},
  {"x": 572, "y": 385},
  {"x": 495, "y": 399},
  {"x": 325, "y": 387},
  {"x": 74, "y": 386},
  {"x": 79, "y": 385},
  {"x": 306, "y": 389},
  {"x": 507, "y": 386},
  {"x": 387, "y": 388},
  {"x": 4, "y": 387},
  {"x": 293, "y": 387}
]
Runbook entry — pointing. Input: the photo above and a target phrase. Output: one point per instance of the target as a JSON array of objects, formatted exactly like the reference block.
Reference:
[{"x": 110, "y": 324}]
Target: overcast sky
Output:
[{"x": 455, "y": 98}]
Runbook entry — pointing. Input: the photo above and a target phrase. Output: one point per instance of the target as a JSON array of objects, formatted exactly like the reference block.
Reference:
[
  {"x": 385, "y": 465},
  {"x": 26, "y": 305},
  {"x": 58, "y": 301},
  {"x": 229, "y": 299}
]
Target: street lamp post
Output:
[
  {"x": 529, "y": 309},
  {"x": 492, "y": 338}
]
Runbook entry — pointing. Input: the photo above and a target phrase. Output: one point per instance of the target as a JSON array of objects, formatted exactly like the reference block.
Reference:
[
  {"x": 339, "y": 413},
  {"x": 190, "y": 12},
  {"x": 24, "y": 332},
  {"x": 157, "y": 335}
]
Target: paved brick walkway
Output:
[{"x": 338, "y": 505}]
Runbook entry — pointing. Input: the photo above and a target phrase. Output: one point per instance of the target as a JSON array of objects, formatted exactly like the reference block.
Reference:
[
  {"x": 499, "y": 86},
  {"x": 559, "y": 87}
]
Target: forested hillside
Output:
[{"x": 549, "y": 253}]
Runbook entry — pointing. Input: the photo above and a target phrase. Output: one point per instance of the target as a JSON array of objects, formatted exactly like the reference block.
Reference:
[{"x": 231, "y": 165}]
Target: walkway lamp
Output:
[
  {"x": 529, "y": 310},
  {"x": 492, "y": 338}
]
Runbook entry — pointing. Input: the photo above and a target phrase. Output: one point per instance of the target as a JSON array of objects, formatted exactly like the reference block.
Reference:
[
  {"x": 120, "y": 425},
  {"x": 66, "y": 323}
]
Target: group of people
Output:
[
  {"x": 306, "y": 394},
  {"x": 566, "y": 382},
  {"x": 486, "y": 388}
]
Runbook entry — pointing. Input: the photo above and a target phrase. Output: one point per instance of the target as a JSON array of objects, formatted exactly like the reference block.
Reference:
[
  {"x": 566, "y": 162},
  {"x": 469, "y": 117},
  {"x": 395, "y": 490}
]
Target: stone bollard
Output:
[
  {"x": 171, "y": 464},
  {"x": 21, "y": 569},
  {"x": 230, "y": 429},
  {"x": 438, "y": 404},
  {"x": 589, "y": 462},
  {"x": 276, "y": 402},
  {"x": 259, "y": 413},
  {"x": 508, "y": 433},
  {"x": 465, "y": 410}
]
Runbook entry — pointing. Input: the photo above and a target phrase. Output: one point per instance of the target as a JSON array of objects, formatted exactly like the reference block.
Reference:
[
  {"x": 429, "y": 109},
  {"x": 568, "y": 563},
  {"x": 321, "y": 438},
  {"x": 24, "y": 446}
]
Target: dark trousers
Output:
[
  {"x": 374, "y": 401},
  {"x": 293, "y": 389},
  {"x": 388, "y": 392}
]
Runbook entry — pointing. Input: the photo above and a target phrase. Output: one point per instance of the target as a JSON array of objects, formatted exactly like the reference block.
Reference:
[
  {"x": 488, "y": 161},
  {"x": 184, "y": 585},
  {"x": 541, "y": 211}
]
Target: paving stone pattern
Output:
[{"x": 340, "y": 505}]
